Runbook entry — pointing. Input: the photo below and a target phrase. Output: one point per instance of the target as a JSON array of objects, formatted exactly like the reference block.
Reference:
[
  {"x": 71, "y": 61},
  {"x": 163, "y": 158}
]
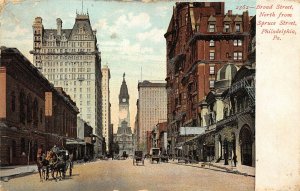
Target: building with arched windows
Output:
[{"x": 33, "y": 113}]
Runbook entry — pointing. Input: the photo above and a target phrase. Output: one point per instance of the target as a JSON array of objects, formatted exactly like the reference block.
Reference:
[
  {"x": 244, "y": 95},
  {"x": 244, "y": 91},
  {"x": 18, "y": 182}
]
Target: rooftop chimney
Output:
[
  {"x": 59, "y": 26},
  {"x": 229, "y": 12}
]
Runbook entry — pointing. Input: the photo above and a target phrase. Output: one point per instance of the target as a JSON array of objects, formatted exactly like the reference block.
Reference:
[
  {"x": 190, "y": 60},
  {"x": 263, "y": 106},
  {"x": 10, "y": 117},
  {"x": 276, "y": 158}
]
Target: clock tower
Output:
[{"x": 124, "y": 103}]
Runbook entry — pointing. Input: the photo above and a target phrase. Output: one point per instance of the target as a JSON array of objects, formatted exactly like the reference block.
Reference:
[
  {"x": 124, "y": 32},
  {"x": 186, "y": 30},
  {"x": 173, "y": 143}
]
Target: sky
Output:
[{"x": 129, "y": 34}]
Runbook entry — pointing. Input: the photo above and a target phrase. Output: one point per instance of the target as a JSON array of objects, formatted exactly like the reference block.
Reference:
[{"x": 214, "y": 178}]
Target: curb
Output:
[
  {"x": 216, "y": 166},
  {"x": 22, "y": 174}
]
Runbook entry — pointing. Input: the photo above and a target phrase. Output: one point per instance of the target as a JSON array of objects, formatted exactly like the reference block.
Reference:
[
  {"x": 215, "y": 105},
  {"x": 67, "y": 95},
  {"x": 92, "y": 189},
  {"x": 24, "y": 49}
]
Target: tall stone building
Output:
[
  {"x": 124, "y": 136},
  {"x": 124, "y": 114},
  {"x": 69, "y": 58},
  {"x": 106, "y": 107},
  {"x": 201, "y": 38},
  {"x": 152, "y": 108}
]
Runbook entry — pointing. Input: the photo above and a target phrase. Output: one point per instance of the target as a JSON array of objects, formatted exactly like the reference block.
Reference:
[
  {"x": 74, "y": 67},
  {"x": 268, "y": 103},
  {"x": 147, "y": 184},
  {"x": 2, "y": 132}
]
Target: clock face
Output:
[{"x": 123, "y": 100}]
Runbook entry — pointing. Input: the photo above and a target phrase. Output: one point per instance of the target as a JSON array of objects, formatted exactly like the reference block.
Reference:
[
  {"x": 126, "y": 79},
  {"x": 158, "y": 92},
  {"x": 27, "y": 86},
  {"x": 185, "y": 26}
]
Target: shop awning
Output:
[{"x": 75, "y": 142}]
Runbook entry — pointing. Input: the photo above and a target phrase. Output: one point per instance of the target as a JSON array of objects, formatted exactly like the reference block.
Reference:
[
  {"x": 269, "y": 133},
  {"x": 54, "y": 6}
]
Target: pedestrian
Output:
[
  {"x": 226, "y": 158},
  {"x": 234, "y": 160}
]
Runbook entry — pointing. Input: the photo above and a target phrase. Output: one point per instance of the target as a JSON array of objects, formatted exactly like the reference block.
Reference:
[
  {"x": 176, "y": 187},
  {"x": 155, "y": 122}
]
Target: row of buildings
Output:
[
  {"x": 211, "y": 83},
  {"x": 41, "y": 101},
  {"x": 206, "y": 109}
]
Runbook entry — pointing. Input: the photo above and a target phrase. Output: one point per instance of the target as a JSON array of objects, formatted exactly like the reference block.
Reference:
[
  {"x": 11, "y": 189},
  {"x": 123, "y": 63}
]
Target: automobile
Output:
[
  {"x": 138, "y": 158},
  {"x": 155, "y": 155}
]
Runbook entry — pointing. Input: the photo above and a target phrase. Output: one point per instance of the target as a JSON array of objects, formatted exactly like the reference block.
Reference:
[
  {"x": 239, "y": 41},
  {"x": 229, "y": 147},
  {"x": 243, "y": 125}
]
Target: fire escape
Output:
[{"x": 249, "y": 88}]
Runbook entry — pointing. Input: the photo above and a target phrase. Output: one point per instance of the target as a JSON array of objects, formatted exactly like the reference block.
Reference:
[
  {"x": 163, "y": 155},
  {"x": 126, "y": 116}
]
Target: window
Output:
[
  {"x": 237, "y": 43},
  {"x": 211, "y": 55},
  {"x": 13, "y": 101},
  {"x": 211, "y": 28},
  {"x": 41, "y": 115},
  {"x": 35, "y": 112},
  {"x": 211, "y": 43},
  {"x": 237, "y": 56},
  {"x": 226, "y": 28},
  {"x": 22, "y": 146},
  {"x": 29, "y": 108},
  {"x": 211, "y": 83},
  {"x": 197, "y": 27},
  {"x": 238, "y": 27},
  {"x": 211, "y": 70}
]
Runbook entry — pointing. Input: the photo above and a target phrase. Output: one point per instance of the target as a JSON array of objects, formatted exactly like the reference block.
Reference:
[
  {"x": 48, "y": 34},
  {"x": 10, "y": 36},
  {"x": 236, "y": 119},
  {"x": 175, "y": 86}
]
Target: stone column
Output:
[
  {"x": 219, "y": 108},
  {"x": 204, "y": 112}
]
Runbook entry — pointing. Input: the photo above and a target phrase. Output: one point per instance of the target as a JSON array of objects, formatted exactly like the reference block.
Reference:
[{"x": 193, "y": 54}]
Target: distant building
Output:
[
  {"x": 152, "y": 108},
  {"x": 85, "y": 133},
  {"x": 124, "y": 136},
  {"x": 33, "y": 114},
  {"x": 159, "y": 137},
  {"x": 69, "y": 58},
  {"x": 124, "y": 114},
  {"x": 106, "y": 107}
]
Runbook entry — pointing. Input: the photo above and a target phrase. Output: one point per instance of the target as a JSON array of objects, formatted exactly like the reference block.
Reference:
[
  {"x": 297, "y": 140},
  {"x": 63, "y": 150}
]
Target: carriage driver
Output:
[{"x": 55, "y": 149}]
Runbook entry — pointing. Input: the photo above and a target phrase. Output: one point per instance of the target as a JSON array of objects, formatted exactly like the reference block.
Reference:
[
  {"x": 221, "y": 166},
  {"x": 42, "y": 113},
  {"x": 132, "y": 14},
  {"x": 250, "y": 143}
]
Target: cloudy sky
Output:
[{"x": 130, "y": 35}]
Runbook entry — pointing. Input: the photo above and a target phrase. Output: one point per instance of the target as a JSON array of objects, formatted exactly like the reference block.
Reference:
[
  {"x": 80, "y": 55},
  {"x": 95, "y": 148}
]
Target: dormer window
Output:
[
  {"x": 227, "y": 27},
  {"x": 211, "y": 24},
  {"x": 197, "y": 27},
  {"x": 237, "y": 27},
  {"x": 211, "y": 27}
]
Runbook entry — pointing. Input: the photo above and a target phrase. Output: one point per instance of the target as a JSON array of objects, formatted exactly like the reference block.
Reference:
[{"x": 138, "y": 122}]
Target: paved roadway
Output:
[{"x": 121, "y": 175}]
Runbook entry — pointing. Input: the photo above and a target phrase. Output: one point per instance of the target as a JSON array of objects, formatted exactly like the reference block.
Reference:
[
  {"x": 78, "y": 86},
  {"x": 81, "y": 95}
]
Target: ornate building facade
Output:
[
  {"x": 124, "y": 136},
  {"x": 200, "y": 39},
  {"x": 69, "y": 58}
]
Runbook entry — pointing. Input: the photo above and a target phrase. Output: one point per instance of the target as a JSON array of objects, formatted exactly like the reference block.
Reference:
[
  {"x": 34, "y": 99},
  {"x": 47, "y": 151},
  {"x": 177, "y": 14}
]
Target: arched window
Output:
[
  {"x": 41, "y": 115},
  {"x": 29, "y": 108},
  {"x": 246, "y": 145},
  {"x": 22, "y": 107},
  {"x": 35, "y": 112},
  {"x": 13, "y": 101},
  {"x": 22, "y": 146}
]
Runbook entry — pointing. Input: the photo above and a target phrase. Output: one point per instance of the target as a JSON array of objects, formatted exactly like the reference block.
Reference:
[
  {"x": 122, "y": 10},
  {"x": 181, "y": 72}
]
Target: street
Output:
[{"x": 121, "y": 175}]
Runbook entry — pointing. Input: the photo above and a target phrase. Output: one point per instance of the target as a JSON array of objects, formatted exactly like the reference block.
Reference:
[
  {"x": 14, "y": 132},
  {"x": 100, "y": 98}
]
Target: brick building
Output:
[
  {"x": 200, "y": 39},
  {"x": 23, "y": 98},
  {"x": 61, "y": 119}
]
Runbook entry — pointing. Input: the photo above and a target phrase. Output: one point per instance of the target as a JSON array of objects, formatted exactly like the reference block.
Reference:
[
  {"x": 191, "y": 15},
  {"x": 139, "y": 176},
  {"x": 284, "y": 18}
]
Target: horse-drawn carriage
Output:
[
  {"x": 138, "y": 158},
  {"x": 59, "y": 162}
]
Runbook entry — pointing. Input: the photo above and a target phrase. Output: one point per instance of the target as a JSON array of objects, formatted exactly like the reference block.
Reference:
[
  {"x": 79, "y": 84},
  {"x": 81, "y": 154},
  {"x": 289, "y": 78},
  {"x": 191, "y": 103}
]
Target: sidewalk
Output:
[
  {"x": 16, "y": 171},
  {"x": 8, "y": 172},
  {"x": 240, "y": 169}
]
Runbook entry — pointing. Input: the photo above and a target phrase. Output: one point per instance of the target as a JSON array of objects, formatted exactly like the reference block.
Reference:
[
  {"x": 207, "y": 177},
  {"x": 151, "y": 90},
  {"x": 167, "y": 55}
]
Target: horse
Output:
[{"x": 43, "y": 168}]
